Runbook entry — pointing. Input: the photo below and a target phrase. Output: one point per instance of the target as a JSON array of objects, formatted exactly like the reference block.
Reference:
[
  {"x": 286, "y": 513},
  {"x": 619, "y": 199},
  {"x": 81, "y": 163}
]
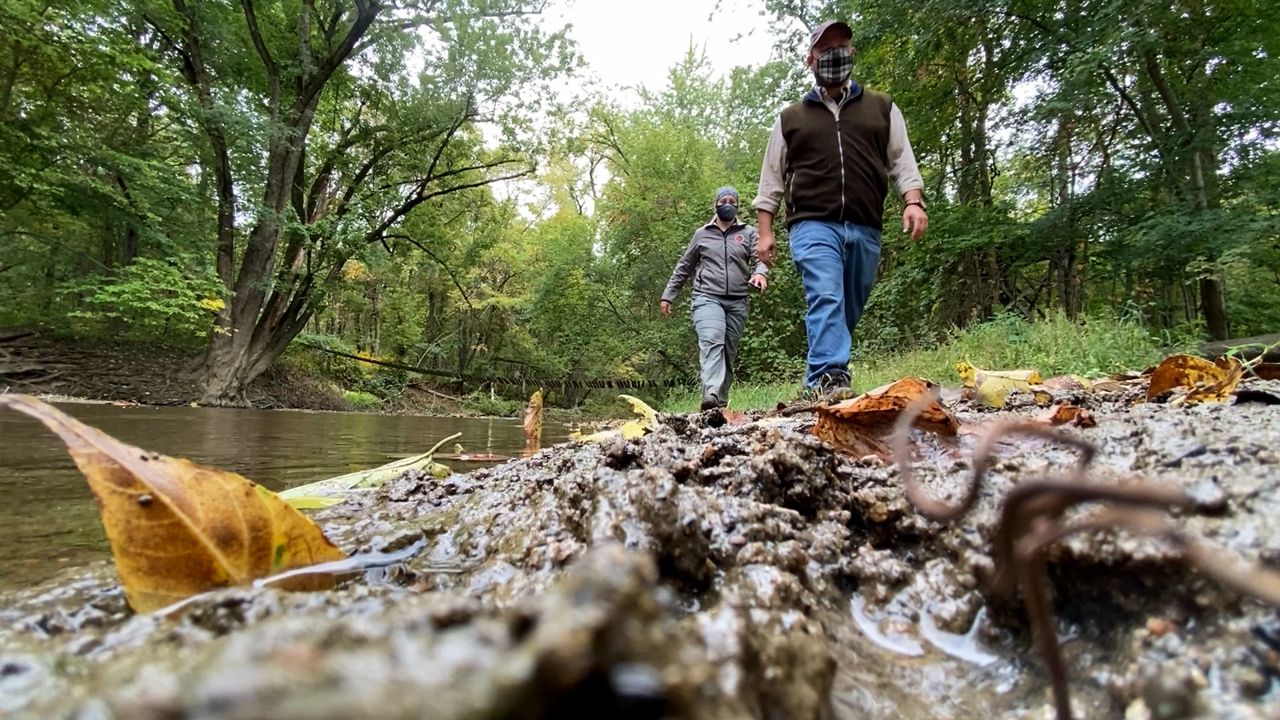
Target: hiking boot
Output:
[
  {"x": 831, "y": 388},
  {"x": 711, "y": 403}
]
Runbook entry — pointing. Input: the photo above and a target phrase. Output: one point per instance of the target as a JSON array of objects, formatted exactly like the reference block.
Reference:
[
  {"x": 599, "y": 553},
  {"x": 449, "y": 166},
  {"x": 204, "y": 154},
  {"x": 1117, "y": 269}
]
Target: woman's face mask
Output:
[
  {"x": 727, "y": 212},
  {"x": 834, "y": 66}
]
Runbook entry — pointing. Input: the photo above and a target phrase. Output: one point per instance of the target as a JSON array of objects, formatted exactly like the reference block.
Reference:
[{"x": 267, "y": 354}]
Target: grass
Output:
[
  {"x": 362, "y": 401},
  {"x": 1055, "y": 346}
]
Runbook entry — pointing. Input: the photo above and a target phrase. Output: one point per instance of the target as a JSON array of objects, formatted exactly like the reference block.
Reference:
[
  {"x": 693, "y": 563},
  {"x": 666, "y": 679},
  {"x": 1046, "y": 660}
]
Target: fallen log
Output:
[{"x": 1245, "y": 348}]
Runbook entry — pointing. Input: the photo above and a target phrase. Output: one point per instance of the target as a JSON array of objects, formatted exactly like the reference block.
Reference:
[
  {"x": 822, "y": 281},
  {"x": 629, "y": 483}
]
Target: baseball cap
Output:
[{"x": 818, "y": 31}]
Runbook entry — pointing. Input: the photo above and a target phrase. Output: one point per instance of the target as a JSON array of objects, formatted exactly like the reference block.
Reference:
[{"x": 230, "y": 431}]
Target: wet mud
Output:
[{"x": 708, "y": 570}]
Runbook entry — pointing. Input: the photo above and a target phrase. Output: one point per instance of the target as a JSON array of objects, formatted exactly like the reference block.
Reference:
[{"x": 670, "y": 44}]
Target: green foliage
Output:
[
  {"x": 1080, "y": 159},
  {"x": 484, "y": 404},
  {"x": 362, "y": 401},
  {"x": 153, "y": 299}
]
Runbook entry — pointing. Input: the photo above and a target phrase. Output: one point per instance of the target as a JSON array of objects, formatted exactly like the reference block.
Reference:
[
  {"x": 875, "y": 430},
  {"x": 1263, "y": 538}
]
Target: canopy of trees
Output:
[{"x": 412, "y": 179}]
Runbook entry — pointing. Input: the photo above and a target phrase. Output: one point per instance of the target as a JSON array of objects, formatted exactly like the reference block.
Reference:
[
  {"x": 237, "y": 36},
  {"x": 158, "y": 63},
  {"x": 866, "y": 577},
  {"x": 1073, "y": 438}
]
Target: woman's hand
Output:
[
  {"x": 666, "y": 307},
  {"x": 758, "y": 282}
]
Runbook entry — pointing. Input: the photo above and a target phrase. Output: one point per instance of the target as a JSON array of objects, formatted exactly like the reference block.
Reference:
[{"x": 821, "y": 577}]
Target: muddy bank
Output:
[
  {"x": 147, "y": 374},
  {"x": 708, "y": 570}
]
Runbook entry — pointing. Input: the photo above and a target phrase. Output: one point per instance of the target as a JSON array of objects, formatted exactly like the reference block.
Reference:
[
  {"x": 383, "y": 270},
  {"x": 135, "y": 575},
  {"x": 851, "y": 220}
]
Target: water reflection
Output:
[{"x": 48, "y": 520}]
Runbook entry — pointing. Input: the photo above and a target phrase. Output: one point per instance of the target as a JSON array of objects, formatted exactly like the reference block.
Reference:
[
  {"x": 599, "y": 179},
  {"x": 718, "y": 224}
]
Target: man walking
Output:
[
  {"x": 830, "y": 157},
  {"x": 720, "y": 258}
]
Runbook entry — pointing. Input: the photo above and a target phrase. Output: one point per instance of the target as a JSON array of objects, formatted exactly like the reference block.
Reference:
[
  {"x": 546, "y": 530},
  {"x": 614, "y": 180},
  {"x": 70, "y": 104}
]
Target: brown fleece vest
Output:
[{"x": 837, "y": 169}]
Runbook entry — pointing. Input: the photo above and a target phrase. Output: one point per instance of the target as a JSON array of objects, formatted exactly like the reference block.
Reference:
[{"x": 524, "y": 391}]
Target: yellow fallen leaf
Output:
[
  {"x": 630, "y": 430},
  {"x": 642, "y": 409},
  {"x": 1205, "y": 381},
  {"x": 312, "y": 502},
  {"x": 176, "y": 528},
  {"x": 991, "y": 387}
]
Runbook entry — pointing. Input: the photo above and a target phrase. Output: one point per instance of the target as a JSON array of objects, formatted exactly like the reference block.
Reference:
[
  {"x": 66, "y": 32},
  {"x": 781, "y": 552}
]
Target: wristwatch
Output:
[{"x": 919, "y": 203}]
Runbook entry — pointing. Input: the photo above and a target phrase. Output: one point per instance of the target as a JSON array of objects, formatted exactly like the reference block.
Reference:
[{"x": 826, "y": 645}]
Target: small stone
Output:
[
  {"x": 1160, "y": 627},
  {"x": 1137, "y": 710},
  {"x": 1252, "y": 682}
]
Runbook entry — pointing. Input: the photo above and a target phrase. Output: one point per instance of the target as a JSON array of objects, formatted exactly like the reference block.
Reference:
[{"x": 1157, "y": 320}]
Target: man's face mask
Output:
[
  {"x": 834, "y": 66},
  {"x": 727, "y": 212}
]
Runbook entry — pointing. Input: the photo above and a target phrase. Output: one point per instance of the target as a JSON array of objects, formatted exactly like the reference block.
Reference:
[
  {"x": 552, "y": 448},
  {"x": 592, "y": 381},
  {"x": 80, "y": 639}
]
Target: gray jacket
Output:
[{"x": 718, "y": 261}]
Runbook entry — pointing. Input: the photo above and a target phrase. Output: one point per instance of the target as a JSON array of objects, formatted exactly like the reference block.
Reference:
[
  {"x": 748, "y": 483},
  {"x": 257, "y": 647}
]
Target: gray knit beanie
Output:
[{"x": 726, "y": 190}]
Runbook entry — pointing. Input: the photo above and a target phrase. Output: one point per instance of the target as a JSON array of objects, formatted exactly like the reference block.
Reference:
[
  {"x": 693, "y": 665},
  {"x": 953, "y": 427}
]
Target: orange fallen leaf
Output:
[
  {"x": 735, "y": 417},
  {"x": 1205, "y": 381},
  {"x": 880, "y": 407},
  {"x": 1064, "y": 413},
  {"x": 176, "y": 528},
  {"x": 861, "y": 426},
  {"x": 533, "y": 423}
]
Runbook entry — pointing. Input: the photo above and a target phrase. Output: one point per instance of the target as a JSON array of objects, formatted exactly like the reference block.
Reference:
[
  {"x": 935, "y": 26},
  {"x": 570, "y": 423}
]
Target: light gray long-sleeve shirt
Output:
[{"x": 902, "y": 168}]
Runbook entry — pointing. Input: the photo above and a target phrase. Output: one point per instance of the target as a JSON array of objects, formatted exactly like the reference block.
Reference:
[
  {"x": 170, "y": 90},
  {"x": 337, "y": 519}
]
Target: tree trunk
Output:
[{"x": 1213, "y": 307}]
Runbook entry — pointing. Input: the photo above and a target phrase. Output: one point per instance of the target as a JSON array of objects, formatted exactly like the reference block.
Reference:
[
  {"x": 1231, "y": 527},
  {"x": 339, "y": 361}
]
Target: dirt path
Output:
[{"x": 706, "y": 572}]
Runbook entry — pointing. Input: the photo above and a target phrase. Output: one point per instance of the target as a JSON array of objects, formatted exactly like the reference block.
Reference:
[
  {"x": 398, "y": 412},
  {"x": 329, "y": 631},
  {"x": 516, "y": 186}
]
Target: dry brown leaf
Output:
[
  {"x": 1267, "y": 371},
  {"x": 1064, "y": 413},
  {"x": 533, "y": 423},
  {"x": 861, "y": 426},
  {"x": 177, "y": 529},
  {"x": 1067, "y": 382},
  {"x": 1206, "y": 381},
  {"x": 735, "y": 417},
  {"x": 880, "y": 407}
]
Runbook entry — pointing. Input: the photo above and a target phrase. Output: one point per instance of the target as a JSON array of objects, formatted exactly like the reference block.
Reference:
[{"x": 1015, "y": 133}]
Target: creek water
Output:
[{"x": 48, "y": 520}]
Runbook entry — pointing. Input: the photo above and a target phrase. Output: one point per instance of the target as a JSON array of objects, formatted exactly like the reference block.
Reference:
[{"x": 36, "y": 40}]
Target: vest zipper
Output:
[{"x": 840, "y": 149}]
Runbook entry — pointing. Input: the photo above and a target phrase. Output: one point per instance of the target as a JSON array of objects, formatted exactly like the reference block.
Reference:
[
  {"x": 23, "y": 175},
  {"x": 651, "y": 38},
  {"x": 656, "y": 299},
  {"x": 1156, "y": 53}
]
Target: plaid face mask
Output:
[{"x": 834, "y": 66}]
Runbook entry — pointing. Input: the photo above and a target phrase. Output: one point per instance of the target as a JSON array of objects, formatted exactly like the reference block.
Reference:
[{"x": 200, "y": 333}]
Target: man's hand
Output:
[
  {"x": 666, "y": 307},
  {"x": 914, "y": 221},
  {"x": 758, "y": 282},
  {"x": 766, "y": 245}
]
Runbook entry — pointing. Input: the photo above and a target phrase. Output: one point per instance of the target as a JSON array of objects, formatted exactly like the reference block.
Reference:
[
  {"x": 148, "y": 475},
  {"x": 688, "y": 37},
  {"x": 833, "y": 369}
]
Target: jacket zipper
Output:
[{"x": 725, "y": 239}]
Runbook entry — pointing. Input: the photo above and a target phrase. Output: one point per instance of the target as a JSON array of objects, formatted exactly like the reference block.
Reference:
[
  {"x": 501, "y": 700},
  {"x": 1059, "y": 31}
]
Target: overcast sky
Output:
[{"x": 628, "y": 43}]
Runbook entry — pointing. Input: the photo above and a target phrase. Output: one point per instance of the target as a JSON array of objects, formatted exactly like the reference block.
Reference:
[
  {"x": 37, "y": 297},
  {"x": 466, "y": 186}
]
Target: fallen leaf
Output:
[
  {"x": 991, "y": 387},
  {"x": 641, "y": 408},
  {"x": 1205, "y": 381},
  {"x": 176, "y": 528},
  {"x": 1067, "y": 382},
  {"x": 313, "y": 502},
  {"x": 861, "y": 426},
  {"x": 1266, "y": 371},
  {"x": 736, "y": 417},
  {"x": 1065, "y": 413},
  {"x": 339, "y": 487},
  {"x": 533, "y": 423},
  {"x": 631, "y": 430},
  {"x": 881, "y": 407}
]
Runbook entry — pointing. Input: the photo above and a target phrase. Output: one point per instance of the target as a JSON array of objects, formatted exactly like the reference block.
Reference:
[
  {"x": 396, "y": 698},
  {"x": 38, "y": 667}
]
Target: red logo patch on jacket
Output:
[{"x": 739, "y": 239}]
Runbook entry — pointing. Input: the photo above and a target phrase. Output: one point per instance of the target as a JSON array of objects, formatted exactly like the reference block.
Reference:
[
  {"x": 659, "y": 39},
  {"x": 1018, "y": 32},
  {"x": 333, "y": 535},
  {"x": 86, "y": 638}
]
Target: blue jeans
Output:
[{"x": 837, "y": 264}]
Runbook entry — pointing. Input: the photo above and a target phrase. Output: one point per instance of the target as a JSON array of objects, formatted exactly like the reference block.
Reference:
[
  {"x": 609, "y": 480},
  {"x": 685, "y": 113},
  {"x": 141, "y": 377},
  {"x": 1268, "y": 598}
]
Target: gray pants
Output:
[{"x": 718, "y": 321}]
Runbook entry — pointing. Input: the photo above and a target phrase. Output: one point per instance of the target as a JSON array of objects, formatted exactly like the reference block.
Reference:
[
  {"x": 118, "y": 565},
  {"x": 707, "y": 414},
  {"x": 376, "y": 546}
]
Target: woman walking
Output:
[{"x": 721, "y": 259}]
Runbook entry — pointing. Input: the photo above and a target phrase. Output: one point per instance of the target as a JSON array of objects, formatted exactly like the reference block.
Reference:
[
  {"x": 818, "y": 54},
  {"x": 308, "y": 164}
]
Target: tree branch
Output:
[
  {"x": 448, "y": 270},
  {"x": 268, "y": 62}
]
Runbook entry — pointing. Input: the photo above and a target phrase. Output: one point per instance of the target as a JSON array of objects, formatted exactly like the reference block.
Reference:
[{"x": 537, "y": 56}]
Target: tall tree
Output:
[{"x": 306, "y": 104}]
